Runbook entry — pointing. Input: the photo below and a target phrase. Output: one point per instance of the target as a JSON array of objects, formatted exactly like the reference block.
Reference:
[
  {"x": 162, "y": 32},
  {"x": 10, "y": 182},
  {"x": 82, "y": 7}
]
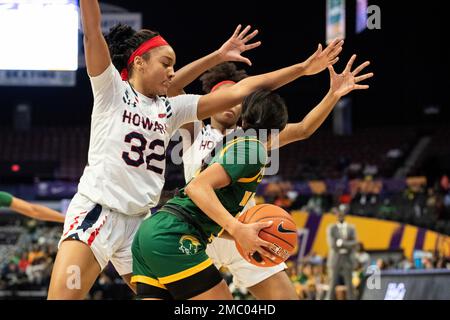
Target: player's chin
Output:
[{"x": 163, "y": 90}]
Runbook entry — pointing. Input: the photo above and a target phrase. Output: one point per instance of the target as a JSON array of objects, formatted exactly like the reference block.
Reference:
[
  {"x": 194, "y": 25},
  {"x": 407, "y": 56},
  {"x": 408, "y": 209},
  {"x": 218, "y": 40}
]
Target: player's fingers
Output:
[
  {"x": 268, "y": 247},
  {"x": 331, "y": 69},
  {"x": 266, "y": 254},
  {"x": 252, "y": 46},
  {"x": 236, "y": 32},
  {"x": 361, "y": 68},
  {"x": 262, "y": 225},
  {"x": 266, "y": 244},
  {"x": 244, "y": 60},
  {"x": 244, "y": 32},
  {"x": 335, "y": 53},
  {"x": 332, "y": 62},
  {"x": 363, "y": 77},
  {"x": 350, "y": 63},
  {"x": 331, "y": 46},
  {"x": 319, "y": 50},
  {"x": 250, "y": 36}
]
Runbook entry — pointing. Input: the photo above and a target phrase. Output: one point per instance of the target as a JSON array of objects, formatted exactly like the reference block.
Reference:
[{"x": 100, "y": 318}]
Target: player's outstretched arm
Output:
[
  {"x": 201, "y": 191},
  {"x": 229, "y": 97},
  {"x": 25, "y": 208},
  {"x": 340, "y": 85},
  {"x": 95, "y": 46},
  {"x": 231, "y": 50}
]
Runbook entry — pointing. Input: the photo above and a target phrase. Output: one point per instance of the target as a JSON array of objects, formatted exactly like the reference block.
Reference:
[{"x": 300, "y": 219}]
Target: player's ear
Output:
[{"x": 139, "y": 62}]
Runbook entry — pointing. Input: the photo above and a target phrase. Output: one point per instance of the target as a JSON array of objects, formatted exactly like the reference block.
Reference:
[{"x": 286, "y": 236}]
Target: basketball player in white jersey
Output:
[
  {"x": 131, "y": 127},
  {"x": 199, "y": 140}
]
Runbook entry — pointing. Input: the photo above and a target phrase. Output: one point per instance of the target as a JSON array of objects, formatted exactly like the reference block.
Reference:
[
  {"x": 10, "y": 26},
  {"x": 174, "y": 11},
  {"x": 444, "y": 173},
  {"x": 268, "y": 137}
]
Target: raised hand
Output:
[
  {"x": 344, "y": 83},
  {"x": 321, "y": 59},
  {"x": 234, "y": 47}
]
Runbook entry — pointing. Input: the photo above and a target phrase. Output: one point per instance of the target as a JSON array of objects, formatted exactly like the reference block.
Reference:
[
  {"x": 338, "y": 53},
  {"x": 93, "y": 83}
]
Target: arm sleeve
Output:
[
  {"x": 5, "y": 199},
  {"x": 104, "y": 88},
  {"x": 181, "y": 110}
]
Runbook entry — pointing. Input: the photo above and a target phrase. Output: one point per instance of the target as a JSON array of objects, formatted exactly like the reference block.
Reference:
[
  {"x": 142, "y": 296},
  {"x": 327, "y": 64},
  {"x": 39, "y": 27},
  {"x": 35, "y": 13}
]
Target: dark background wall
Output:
[{"x": 408, "y": 57}]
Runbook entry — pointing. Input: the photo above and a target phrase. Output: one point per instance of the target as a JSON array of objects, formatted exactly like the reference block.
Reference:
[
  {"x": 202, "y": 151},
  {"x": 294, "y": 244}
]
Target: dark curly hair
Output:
[
  {"x": 221, "y": 72},
  {"x": 123, "y": 40},
  {"x": 264, "y": 109}
]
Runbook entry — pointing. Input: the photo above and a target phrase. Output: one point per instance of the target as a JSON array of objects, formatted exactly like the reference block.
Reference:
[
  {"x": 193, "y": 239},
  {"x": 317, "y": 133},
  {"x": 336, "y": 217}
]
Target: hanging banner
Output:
[
  {"x": 361, "y": 15},
  {"x": 335, "y": 20},
  {"x": 34, "y": 78},
  {"x": 131, "y": 19}
]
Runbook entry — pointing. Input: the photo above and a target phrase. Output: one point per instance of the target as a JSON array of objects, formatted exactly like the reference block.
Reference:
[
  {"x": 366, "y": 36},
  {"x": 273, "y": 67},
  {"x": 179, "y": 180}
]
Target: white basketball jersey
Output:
[
  {"x": 205, "y": 140},
  {"x": 129, "y": 136}
]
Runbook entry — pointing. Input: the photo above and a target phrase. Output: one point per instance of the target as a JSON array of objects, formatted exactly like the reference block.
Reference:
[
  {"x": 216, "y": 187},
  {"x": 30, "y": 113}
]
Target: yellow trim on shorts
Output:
[
  {"x": 186, "y": 273},
  {"x": 147, "y": 280}
]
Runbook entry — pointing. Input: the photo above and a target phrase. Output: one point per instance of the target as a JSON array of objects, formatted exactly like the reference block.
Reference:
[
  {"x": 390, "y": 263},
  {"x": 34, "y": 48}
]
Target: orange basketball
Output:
[{"x": 282, "y": 233}]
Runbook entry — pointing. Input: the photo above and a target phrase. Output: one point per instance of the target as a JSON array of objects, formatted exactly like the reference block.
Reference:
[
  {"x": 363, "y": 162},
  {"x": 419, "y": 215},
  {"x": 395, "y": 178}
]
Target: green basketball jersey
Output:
[{"x": 243, "y": 159}]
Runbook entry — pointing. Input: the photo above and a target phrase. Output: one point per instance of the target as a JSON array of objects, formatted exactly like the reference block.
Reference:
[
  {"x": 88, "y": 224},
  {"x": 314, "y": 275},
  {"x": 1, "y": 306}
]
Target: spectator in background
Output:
[
  {"x": 318, "y": 203},
  {"x": 431, "y": 203},
  {"x": 24, "y": 263},
  {"x": 345, "y": 198},
  {"x": 370, "y": 170},
  {"x": 447, "y": 202},
  {"x": 342, "y": 242},
  {"x": 304, "y": 280},
  {"x": 354, "y": 170},
  {"x": 283, "y": 201},
  {"x": 320, "y": 281},
  {"x": 292, "y": 271},
  {"x": 35, "y": 253},
  {"x": 404, "y": 263},
  {"x": 381, "y": 264},
  {"x": 362, "y": 257},
  {"x": 428, "y": 263},
  {"x": 11, "y": 274},
  {"x": 387, "y": 210},
  {"x": 443, "y": 262},
  {"x": 445, "y": 183}
]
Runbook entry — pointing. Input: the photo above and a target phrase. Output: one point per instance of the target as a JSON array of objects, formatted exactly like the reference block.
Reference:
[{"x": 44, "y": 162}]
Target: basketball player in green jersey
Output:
[{"x": 169, "y": 258}]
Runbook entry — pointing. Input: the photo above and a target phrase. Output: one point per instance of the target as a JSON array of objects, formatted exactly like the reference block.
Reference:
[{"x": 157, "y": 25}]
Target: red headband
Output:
[
  {"x": 154, "y": 42},
  {"x": 221, "y": 84}
]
